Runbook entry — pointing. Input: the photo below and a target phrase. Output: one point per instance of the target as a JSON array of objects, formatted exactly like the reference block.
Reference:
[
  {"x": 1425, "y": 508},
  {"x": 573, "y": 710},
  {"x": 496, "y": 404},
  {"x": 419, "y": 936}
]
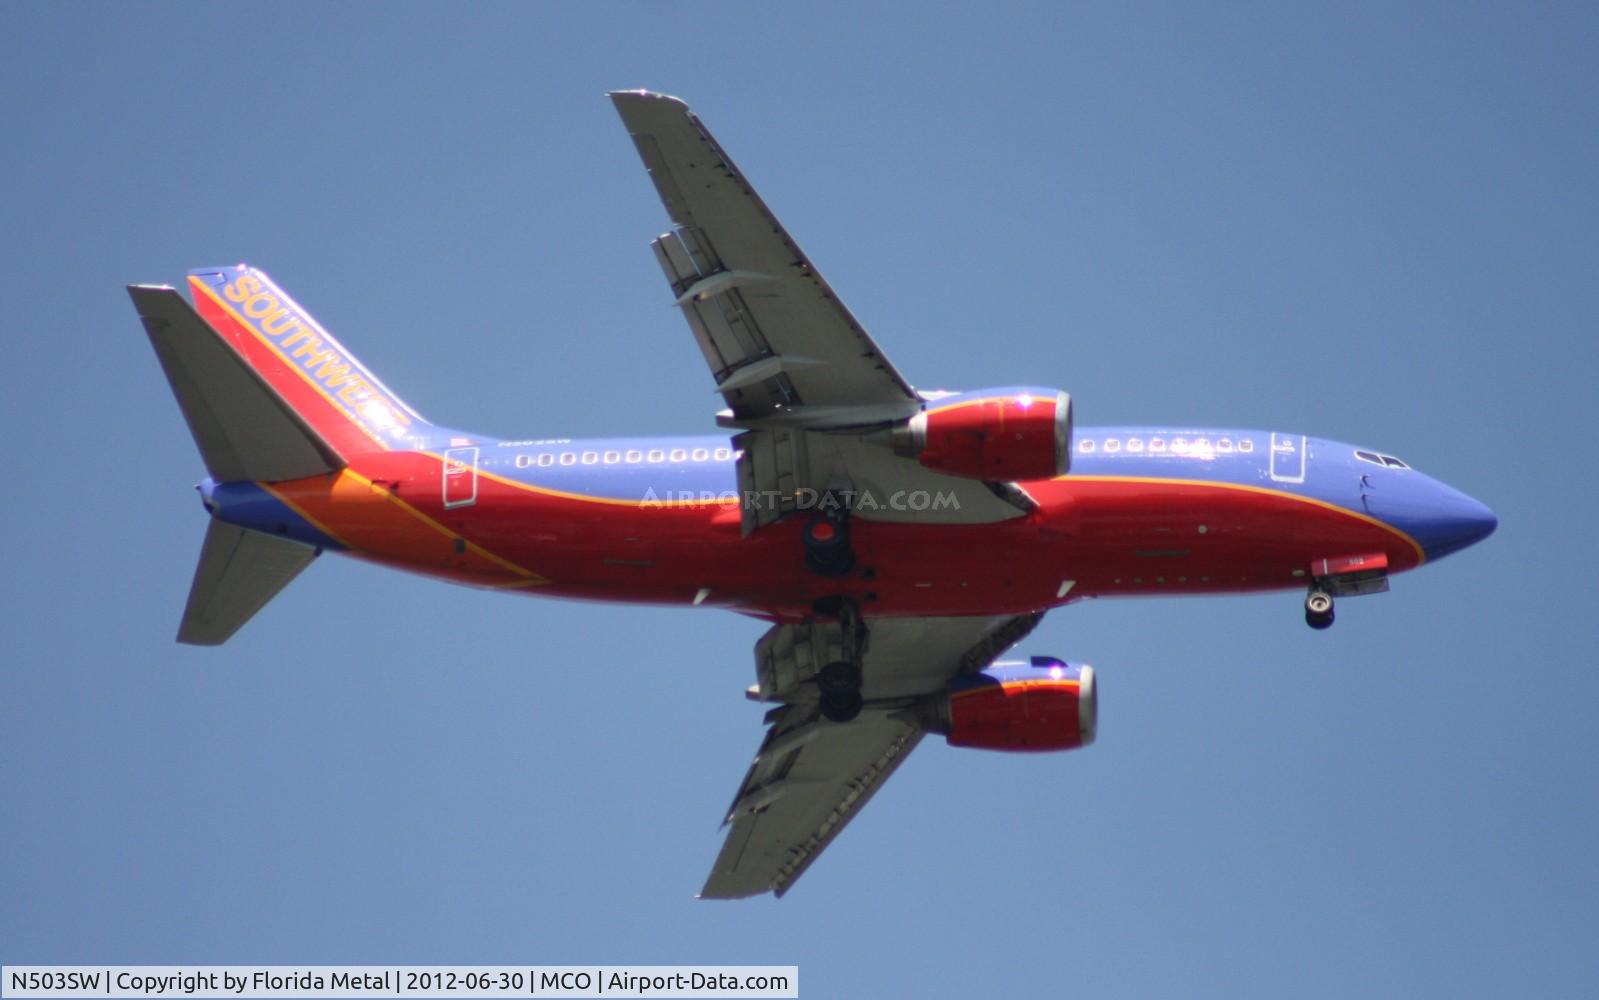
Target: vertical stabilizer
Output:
[{"x": 326, "y": 386}]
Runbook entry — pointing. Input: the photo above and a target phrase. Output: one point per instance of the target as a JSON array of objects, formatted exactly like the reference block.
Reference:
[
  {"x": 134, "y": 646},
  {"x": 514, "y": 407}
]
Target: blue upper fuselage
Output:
[{"x": 1440, "y": 518}]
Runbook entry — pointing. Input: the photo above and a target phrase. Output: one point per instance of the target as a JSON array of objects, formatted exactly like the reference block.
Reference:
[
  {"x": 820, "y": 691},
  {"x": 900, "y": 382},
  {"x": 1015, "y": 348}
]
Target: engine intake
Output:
[
  {"x": 1002, "y": 436},
  {"x": 1042, "y": 704}
]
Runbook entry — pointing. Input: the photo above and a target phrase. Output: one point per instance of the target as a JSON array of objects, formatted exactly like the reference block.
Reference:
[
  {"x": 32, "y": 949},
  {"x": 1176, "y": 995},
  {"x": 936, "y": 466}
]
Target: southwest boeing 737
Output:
[{"x": 897, "y": 541}]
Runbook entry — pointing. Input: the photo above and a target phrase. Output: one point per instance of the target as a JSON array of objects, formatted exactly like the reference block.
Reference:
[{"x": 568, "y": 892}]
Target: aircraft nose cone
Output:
[{"x": 1457, "y": 522}]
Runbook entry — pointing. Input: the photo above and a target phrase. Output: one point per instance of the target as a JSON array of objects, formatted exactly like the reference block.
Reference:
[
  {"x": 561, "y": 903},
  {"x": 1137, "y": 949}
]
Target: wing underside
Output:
[
  {"x": 773, "y": 333},
  {"x": 804, "y": 787},
  {"x": 810, "y": 777},
  {"x": 802, "y": 379}
]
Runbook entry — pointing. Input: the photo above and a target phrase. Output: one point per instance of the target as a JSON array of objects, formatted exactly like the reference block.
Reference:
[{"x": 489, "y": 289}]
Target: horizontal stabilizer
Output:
[
  {"x": 243, "y": 428},
  {"x": 239, "y": 572}
]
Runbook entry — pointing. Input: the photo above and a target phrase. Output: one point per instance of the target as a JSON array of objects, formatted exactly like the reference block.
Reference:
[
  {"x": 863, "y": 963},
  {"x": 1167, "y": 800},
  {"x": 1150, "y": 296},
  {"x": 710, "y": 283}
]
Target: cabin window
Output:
[
  {"x": 657, "y": 455},
  {"x": 1157, "y": 444},
  {"x": 679, "y": 455},
  {"x": 1086, "y": 446},
  {"x": 546, "y": 460},
  {"x": 523, "y": 461},
  {"x": 568, "y": 458},
  {"x": 701, "y": 454},
  {"x": 1135, "y": 444},
  {"x": 633, "y": 457},
  {"x": 612, "y": 457},
  {"x": 723, "y": 454}
]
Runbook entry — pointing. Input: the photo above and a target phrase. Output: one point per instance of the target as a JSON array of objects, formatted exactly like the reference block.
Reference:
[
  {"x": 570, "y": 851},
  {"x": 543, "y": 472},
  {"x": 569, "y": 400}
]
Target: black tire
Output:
[{"x": 841, "y": 706}]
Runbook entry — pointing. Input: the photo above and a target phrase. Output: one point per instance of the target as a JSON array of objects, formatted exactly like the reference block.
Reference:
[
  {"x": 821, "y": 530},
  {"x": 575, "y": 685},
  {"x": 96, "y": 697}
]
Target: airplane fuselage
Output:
[{"x": 1144, "y": 511}]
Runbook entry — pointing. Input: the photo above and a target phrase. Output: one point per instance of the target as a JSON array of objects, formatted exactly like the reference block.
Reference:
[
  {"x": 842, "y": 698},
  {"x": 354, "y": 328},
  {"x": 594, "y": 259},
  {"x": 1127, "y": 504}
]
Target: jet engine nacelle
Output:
[
  {"x": 999, "y": 436},
  {"x": 1041, "y": 704}
]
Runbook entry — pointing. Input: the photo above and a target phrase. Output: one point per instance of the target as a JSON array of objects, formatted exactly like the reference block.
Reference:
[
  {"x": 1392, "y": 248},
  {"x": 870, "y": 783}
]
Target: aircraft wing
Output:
[
  {"x": 795, "y": 368},
  {"x": 811, "y": 777},
  {"x": 774, "y": 334}
]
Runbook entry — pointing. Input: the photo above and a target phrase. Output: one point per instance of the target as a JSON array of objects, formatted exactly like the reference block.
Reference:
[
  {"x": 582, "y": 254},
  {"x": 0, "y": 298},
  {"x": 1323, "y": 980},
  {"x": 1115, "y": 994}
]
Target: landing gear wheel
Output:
[
  {"x": 1319, "y": 609},
  {"x": 841, "y": 706},
  {"x": 840, "y": 684},
  {"x": 827, "y": 548}
]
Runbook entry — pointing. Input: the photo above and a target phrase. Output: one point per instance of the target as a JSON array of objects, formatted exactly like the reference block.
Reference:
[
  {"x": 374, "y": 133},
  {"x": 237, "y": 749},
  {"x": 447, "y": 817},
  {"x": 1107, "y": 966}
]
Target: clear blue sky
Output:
[{"x": 1373, "y": 223}]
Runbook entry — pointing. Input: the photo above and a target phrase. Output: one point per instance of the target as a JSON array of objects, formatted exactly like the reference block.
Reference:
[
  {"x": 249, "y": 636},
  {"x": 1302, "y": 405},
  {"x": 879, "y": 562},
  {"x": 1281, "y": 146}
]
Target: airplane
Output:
[{"x": 898, "y": 542}]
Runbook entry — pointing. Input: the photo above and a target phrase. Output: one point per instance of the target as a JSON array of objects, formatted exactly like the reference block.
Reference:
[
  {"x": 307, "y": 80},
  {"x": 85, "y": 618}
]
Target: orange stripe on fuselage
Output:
[{"x": 371, "y": 521}]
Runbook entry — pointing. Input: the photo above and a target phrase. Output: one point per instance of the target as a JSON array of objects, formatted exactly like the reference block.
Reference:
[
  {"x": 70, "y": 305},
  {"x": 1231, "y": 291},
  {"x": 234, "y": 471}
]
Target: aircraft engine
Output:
[
  {"x": 1042, "y": 704},
  {"x": 1004, "y": 436}
]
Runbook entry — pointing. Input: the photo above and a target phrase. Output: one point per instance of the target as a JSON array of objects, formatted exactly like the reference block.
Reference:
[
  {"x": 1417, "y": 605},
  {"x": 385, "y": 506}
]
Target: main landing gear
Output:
[
  {"x": 840, "y": 681},
  {"x": 828, "y": 553},
  {"x": 1318, "y": 609},
  {"x": 840, "y": 684}
]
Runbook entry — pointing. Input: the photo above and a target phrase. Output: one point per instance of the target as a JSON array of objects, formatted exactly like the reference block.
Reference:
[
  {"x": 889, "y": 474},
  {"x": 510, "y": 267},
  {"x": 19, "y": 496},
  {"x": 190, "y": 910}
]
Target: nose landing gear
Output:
[{"x": 1318, "y": 609}]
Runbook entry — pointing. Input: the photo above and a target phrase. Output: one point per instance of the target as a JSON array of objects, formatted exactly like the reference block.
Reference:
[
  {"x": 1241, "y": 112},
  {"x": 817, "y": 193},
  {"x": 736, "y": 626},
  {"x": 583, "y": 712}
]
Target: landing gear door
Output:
[
  {"x": 460, "y": 477},
  {"x": 1288, "y": 458}
]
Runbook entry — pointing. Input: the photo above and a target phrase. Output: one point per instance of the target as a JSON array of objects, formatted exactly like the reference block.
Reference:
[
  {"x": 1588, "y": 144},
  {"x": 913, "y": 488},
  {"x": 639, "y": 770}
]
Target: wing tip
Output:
[
  {"x": 147, "y": 296},
  {"x": 710, "y": 893},
  {"x": 641, "y": 95}
]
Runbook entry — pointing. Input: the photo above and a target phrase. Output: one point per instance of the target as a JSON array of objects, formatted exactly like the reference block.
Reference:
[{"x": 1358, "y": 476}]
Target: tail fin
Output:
[
  {"x": 332, "y": 393},
  {"x": 269, "y": 396},
  {"x": 239, "y": 572}
]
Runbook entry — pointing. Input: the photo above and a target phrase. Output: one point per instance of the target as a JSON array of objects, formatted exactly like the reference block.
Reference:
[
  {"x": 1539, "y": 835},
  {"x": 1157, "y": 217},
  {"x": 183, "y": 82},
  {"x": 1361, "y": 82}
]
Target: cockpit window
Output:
[{"x": 1387, "y": 461}]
